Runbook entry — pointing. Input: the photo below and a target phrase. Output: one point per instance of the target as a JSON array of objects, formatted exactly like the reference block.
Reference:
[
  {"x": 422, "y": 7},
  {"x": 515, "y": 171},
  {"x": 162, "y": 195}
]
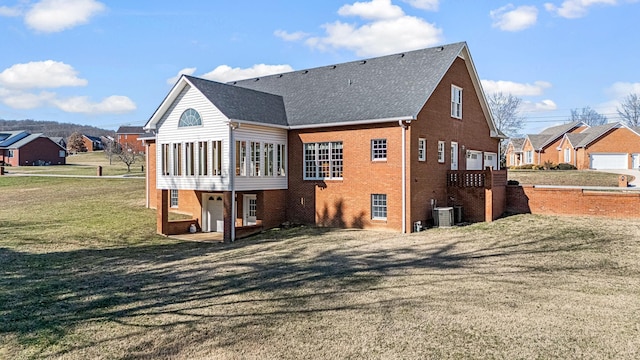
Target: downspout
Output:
[
  {"x": 404, "y": 173},
  {"x": 146, "y": 178}
]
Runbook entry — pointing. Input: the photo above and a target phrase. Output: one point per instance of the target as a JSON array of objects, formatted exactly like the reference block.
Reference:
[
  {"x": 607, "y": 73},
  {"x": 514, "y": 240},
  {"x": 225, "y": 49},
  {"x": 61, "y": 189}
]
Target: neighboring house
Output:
[
  {"x": 20, "y": 148},
  {"x": 129, "y": 135},
  {"x": 364, "y": 144},
  {"x": 92, "y": 143},
  {"x": 608, "y": 146},
  {"x": 59, "y": 140},
  {"x": 539, "y": 148}
]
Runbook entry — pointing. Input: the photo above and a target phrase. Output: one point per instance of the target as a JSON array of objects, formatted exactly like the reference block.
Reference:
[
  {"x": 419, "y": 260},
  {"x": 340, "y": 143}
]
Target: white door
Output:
[
  {"x": 454, "y": 155},
  {"x": 636, "y": 161},
  {"x": 250, "y": 208},
  {"x": 474, "y": 160},
  {"x": 214, "y": 214},
  {"x": 609, "y": 161},
  {"x": 491, "y": 160}
]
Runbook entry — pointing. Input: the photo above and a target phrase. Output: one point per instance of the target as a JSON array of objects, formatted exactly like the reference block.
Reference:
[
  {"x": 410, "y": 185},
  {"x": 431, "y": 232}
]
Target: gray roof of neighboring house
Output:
[
  {"x": 576, "y": 139},
  {"x": 24, "y": 141},
  {"x": 92, "y": 138},
  {"x": 7, "y": 138},
  {"x": 517, "y": 143},
  {"x": 538, "y": 141},
  {"x": 238, "y": 103},
  {"x": 561, "y": 129},
  {"x": 388, "y": 87},
  {"x": 550, "y": 134},
  {"x": 593, "y": 133},
  {"x": 130, "y": 130}
]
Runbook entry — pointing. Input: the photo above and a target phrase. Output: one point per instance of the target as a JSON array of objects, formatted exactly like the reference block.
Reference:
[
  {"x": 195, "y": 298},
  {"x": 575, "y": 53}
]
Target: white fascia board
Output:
[
  {"x": 166, "y": 103},
  {"x": 357, "y": 122},
  {"x": 258, "y": 124}
]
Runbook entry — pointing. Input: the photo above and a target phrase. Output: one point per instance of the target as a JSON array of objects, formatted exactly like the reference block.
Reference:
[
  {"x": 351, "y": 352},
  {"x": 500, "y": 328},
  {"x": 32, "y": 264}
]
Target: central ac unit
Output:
[{"x": 443, "y": 217}]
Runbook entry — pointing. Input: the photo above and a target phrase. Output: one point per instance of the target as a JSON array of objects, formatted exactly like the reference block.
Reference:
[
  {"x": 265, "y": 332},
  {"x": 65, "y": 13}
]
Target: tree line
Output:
[{"x": 52, "y": 128}]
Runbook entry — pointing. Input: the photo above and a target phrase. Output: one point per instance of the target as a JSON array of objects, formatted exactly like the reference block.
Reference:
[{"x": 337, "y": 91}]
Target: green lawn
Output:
[
  {"x": 84, "y": 164},
  {"x": 83, "y": 276},
  {"x": 563, "y": 177}
]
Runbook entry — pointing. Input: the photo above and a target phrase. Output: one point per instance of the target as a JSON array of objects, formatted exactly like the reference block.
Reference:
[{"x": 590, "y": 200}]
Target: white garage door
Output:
[{"x": 609, "y": 161}]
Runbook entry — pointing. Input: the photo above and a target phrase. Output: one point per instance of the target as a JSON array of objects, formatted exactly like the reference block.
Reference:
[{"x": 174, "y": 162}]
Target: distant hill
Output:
[{"x": 52, "y": 128}]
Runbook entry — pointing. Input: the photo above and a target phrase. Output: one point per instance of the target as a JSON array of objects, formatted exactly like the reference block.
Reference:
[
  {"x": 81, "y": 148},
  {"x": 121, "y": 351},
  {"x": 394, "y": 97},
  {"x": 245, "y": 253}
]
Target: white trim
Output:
[{"x": 357, "y": 122}]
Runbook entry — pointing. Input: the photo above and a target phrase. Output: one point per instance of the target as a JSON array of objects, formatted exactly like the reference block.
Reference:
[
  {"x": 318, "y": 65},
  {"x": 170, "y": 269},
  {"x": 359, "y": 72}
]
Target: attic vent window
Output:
[{"x": 190, "y": 117}]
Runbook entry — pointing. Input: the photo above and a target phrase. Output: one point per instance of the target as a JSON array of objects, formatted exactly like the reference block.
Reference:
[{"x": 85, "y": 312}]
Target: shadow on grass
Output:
[{"x": 44, "y": 297}]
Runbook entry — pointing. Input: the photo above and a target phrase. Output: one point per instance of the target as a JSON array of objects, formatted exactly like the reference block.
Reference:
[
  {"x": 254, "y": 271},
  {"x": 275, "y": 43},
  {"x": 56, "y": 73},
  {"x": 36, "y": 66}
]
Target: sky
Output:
[{"x": 111, "y": 63}]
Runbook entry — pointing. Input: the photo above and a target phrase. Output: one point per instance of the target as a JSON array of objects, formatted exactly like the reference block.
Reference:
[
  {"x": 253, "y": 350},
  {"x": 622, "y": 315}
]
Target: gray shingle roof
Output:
[
  {"x": 560, "y": 129},
  {"x": 517, "y": 143},
  {"x": 550, "y": 134},
  {"x": 24, "y": 141},
  {"x": 387, "y": 87},
  {"x": 8, "y": 138},
  {"x": 130, "y": 130},
  {"x": 575, "y": 139},
  {"x": 238, "y": 103},
  {"x": 593, "y": 133}
]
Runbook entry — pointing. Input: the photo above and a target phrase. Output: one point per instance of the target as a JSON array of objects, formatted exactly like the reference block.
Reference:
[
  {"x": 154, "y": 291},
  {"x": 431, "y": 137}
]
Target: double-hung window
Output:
[
  {"x": 440, "y": 151},
  {"x": 528, "y": 157},
  {"x": 173, "y": 198},
  {"x": 422, "y": 149},
  {"x": 177, "y": 159},
  {"x": 378, "y": 149},
  {"x": 456, "y": 102},
  {"x": 567, "y": 155},
  {"x": 323, "y": 160},
  {"x": 379, "y": 206},
  {"x": 203, "y": 155},
  {"x": 256, "y": 167}
]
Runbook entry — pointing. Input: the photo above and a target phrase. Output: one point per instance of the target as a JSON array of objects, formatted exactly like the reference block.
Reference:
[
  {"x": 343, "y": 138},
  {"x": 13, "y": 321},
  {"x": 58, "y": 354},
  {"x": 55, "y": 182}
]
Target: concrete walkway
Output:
[{"x": 635, "y": 182}]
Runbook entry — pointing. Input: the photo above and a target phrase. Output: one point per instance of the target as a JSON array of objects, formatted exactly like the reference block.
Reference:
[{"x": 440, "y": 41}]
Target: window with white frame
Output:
[
  {"x": 268, "y": 159},
  {"x": 379, "y": 149},
  {"x": 528, "y": 157},
  {"x": 567, "y": 155},
  {"x": 177, "y": 160},
  {"x": 241, "y": 158},
  {"x": 173, "y": 198},
  {"x": 10, "y": 153},
  {"x": 190, "y": 158},
  {"x": 422, "y": 149},
  {"x": 512, "y": 159},
  {"x": 216, "y": 158},
  {"x": 256, "y": 166},
  {"x": 203, "y": 156},
  {"x": 281, "y": 160},
  {"x": 440, "y": 151},
  {"x": 323, "y": 160},
  {"x": 165, "y": 159},
  {"x": 456, "y": 102},
  {"x": 379, "y": 206}
]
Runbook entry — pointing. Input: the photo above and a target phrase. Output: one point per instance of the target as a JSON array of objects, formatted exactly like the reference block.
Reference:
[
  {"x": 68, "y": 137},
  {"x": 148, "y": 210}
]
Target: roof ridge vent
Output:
[
  {"x": 256, "y": 79},
  {"x": 305, "y": 71},
  {"x": 363, "y": 62},
  {"x": 334, "y": 66},
  {"x": 440, "y": 48},
  {"x": 280, "y": 75},
  {"x": 402, "y": 55}
]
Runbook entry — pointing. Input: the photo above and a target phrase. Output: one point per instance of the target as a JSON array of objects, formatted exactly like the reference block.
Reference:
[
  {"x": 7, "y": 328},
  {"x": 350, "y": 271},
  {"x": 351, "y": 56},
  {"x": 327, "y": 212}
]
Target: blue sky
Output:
[{"x": 111, "y": 63}]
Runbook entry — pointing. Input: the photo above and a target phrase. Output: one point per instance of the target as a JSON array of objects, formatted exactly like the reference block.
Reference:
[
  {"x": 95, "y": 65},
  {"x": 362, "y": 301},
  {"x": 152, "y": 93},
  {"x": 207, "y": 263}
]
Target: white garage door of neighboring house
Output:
[{"x": 609, "y": 161}]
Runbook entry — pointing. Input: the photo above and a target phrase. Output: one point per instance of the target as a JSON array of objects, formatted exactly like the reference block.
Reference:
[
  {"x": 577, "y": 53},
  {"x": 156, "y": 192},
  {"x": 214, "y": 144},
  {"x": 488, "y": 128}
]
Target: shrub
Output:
[
  {"x": 549, "y": 165},
  {"x": 524, "y": 167},
  {"x": 565, "y": 166},
  {"x": 513, "y": 182},
  {"x": 538, "y": 167}
]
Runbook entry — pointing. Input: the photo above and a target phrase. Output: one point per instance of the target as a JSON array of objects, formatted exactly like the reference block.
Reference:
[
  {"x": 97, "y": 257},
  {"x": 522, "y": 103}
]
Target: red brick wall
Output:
[
  {"x": 621, "y": 140},
  {"x": 561, "y": 201},
  {"x": 43, "y": 149},
  {"x": 347, "y": 202},
  {"x": 428, "y": 179},
  {"x": 132, "y": 140}
]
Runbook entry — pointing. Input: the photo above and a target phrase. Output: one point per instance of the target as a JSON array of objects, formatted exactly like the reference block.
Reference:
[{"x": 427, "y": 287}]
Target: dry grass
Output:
[
  {"x": 84, "y": 164},
  {"x": 564, "y": 177},
  {"x": 522, "y": 287}
]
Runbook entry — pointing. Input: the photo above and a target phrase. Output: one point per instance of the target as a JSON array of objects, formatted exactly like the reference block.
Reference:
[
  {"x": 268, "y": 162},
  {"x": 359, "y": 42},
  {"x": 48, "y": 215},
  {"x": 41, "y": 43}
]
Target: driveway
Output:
[{"x": 634, "y": 182}]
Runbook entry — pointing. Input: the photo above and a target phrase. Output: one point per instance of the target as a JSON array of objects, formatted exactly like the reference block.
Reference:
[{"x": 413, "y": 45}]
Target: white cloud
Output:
[
  {"x": 185, "y": 71},
  {"x": 287, "y": 36},
  {"x": 114, "y": 104},
  {"x": 617, "y": 93},
  {"x": 386, "y": 29},
  {"x": 620, "y": 90},
  {"x": 431, "y": 5},
  {"x": 59, "y": 15},
  {"x": 24, "y": 100},
  {"x": 225, "y": 73},
  {"x": 544, "y": 105},
  {"x": 510, "y": 18},
  {"x": 40, "y": 74},
  {"x": 10, "y": 11},
  {"x": 572, "y": 9},
  {"x": 379, "y": 37},
  {"x": 373, "y": 10},
  {"x": 514, "y": 88}
]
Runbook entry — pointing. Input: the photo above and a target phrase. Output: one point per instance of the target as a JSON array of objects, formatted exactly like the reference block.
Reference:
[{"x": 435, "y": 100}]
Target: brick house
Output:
[
  {"x": 363, "y": 144},
  {"x": 129, "y": 135},
  {"x": 539, "y": 148},
  {"x": 608, "y": 146},
  {"x": 20, "y": 148},
  {"x": 92, "y": 143}
]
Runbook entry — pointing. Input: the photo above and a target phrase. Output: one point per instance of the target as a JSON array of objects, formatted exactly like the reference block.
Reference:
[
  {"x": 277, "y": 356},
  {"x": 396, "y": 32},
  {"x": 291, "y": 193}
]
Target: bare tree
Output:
[
  {"x": 588, "y": 116},
  {"x": 75, "y": 143},
  {"x": 110, "y": 148},
  {"x": 630, "y": 111},
  {"x": 128, "y": 155},
  {"x": 506, "y": 113}
]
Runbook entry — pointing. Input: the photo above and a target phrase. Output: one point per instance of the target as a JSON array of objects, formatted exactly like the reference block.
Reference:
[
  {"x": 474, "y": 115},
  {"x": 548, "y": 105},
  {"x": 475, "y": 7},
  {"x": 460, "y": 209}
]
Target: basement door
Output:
[
  {"x": 214, "y": 213},
  {"x": 250, "y": 207}
]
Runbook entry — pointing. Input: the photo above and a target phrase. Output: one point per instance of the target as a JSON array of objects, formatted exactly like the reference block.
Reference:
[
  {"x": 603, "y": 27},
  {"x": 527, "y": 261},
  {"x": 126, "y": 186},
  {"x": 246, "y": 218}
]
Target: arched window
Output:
[{"x": 190, "y": 117}]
